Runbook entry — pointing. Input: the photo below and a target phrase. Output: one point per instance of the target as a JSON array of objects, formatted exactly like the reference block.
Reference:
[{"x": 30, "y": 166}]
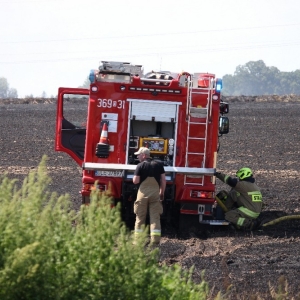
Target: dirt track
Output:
[{"x": 263, "y": 135}]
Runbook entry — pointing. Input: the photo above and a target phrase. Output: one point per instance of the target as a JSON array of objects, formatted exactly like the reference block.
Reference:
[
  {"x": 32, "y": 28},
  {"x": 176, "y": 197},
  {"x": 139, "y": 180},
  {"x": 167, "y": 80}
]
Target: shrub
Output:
[{"x": 48, "y": 251}]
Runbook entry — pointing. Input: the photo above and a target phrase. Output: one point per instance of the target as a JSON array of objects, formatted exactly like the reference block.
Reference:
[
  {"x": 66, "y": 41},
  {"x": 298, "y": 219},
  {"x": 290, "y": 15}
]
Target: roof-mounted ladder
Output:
[{"x": 197, "y": 118}]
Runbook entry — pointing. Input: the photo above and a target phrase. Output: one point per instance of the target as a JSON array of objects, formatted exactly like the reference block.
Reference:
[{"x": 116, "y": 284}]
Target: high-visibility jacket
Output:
[{"x": 245, "y": 194}]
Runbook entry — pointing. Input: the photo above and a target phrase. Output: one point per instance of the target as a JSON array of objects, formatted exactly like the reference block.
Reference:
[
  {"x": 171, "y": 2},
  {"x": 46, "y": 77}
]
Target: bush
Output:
[{"x": 48, "y": 251}]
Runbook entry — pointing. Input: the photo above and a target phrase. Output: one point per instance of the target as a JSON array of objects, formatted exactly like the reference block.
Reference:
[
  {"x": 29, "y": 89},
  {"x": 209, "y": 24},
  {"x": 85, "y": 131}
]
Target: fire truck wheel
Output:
[
  {"x": 175, "y": 216},
  {"x": 185, "y": 227},
  {"x": 85, "y": 199},
  {"x": 189, "y": 226}
]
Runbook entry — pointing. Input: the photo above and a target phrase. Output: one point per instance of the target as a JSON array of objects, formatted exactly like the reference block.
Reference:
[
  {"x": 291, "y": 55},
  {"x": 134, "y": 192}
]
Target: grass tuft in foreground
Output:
[{"x": 47, "y": 251}]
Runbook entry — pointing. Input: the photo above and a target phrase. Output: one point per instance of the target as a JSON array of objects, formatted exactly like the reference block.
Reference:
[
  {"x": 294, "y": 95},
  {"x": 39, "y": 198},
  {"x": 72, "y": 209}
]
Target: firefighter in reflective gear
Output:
[
  {"x": 244, "y": 201},
  {"x": 150, "y": 175}
]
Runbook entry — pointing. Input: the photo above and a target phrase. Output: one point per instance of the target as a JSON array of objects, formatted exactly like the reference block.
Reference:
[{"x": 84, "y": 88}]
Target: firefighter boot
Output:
[
  {"x": 233, "y": 227},
  {"x": 255, "y": 225}
]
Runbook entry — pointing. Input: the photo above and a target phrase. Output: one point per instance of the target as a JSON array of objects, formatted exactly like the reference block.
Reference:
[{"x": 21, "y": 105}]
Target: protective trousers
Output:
[
  {"x": 237, "y": 213},
  {"x": 148, "y": 197},
  {"x": 237, "y": 218}
]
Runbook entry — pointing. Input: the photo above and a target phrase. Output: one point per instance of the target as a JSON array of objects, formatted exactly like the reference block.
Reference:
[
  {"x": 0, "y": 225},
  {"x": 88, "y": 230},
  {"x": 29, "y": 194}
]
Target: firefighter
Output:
[
  {"x": 150, "y": 175},
  {"x": 244, "y": 201}
]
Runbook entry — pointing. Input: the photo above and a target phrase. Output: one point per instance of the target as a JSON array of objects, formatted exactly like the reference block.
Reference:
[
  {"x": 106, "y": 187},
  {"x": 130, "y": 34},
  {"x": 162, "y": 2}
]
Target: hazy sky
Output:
[{"x": 47, "y": 44}]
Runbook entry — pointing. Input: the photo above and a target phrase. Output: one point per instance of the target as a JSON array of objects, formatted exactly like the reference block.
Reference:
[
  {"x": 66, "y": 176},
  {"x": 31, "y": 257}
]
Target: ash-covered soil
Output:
[{"x": 264, "y": 135}]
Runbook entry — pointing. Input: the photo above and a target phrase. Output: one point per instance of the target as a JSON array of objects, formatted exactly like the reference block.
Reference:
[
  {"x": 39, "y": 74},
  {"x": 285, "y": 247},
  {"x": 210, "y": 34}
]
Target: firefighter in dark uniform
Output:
[
  {"x": 150, "y": 175},
  {"x": 243, "y": 201}
]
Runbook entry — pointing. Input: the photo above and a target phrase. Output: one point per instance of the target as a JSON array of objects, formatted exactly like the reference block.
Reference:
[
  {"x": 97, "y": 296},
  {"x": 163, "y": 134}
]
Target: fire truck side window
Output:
[{"x": 75, "y": 111}]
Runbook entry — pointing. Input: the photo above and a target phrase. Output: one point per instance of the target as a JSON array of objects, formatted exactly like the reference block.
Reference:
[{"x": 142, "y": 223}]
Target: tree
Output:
[
  {"x": 3, "y": 87},
  {"x": 250, "y": 77},
  {"x": 5, "y": 91},
  {"x": 12, "y": 93},
  {"x": 229, "y": 85},
  {"x": 295, "y": 85}
]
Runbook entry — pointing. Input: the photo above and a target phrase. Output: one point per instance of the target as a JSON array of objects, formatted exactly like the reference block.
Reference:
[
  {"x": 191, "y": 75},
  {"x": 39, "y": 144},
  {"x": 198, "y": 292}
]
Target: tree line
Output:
[
  {"x": 255, "y": 78},
  {"x": 251, "y": 79}
]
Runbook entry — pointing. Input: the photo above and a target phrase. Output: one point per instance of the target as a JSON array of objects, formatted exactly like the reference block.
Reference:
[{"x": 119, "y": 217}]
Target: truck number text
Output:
[{"x": 120, "y": 104}]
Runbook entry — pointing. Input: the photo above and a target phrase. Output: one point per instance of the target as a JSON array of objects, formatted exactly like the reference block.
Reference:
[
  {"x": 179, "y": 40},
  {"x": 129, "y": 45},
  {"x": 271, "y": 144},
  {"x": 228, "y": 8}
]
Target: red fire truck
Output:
[{"x": 178, "y": 116}]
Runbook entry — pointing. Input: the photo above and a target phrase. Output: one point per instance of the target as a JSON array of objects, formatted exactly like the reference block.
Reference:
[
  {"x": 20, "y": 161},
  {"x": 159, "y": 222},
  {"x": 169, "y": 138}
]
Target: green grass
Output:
[{"x": 49, "y": 251}]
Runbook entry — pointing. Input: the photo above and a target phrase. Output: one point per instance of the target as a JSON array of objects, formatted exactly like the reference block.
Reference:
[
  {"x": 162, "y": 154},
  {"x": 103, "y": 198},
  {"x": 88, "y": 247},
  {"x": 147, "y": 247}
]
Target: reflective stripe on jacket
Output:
[{"x": 248, "y": 212}]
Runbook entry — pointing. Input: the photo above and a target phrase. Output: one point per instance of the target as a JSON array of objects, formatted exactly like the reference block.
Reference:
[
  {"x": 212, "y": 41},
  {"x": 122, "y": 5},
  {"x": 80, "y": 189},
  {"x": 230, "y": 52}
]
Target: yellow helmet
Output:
[{"x": 244, "y": 173}]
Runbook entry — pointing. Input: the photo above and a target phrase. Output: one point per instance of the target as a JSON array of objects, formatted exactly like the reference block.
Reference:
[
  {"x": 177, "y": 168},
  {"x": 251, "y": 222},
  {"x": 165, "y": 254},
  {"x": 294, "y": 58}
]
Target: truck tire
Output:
[{"x": 85, "y": 199}]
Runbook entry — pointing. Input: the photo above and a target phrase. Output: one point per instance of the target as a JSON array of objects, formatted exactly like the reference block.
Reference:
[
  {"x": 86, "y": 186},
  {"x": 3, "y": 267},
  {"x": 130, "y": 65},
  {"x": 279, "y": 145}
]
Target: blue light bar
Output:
[
  {"x": 219, "y": 85},
  {"x": 92, "y": 76}
]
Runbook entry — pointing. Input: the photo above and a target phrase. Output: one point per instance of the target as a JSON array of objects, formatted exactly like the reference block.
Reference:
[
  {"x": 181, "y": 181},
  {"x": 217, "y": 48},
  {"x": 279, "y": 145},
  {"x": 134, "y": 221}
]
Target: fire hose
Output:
[
  {"x": 221, "y": 204},
  {"x": 278, "y": 220}
]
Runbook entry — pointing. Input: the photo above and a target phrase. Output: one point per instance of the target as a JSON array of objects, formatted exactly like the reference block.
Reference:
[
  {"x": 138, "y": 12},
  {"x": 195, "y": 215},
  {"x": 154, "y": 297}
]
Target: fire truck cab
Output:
[{"x": 178, "y": 116}]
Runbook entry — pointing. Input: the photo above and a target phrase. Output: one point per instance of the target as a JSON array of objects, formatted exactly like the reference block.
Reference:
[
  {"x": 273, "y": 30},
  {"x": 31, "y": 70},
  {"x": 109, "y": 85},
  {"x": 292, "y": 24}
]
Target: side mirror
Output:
[
  {"x": 224, "y": 108},
  {"x": 223, "y": 125}
]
